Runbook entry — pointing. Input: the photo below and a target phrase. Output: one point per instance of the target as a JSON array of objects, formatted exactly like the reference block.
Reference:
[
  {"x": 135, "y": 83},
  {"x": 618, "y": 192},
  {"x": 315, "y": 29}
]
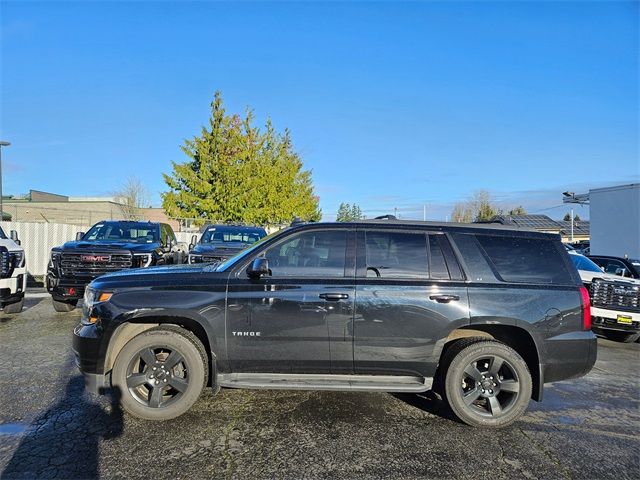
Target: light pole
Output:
[{"x": 2, "y": 144}]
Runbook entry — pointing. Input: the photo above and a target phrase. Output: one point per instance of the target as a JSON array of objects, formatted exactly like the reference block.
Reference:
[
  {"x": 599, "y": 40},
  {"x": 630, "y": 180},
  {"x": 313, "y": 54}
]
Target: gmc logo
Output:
[{"x": 95, "y": 258}]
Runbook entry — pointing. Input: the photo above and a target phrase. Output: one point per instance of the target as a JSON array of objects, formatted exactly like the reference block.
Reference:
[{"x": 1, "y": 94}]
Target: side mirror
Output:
[
  {"x": 259, "y": 268},
  {"x": 13, "y": 235},
  {"x": 79, "y": 236},
  {"x": 170, "y": 244},
  {"x": 194, "y": 240}
]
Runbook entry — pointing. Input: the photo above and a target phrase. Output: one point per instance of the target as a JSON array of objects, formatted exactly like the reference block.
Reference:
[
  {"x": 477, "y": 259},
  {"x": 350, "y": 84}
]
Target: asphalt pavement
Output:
[{"x": 587, "y": 428}]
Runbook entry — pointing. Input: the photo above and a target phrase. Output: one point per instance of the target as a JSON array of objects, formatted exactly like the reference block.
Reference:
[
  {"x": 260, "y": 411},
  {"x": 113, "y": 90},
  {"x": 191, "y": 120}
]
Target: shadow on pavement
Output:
[
  {"x": 64, "y": 441},
  {"x": 428, "y": 402}
]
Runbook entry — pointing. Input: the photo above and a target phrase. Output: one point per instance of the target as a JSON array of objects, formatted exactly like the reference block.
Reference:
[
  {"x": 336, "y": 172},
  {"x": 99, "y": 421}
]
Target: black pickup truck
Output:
[
  {"x": 107, "y": 247},
  {"x": 219, "y": 242},
  {"x": 484, "y": 315}
]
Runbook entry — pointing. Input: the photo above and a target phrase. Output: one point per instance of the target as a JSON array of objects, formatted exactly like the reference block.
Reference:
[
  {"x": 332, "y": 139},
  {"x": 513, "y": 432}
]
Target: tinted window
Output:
[
  {"x": 226, "y": 234},
  {"x": 129, "y": 232},
  {"x": 2, "y": 235},
  {"x": 583, "y": 263},
  {"x": 309, "y": 254},
  {"x": 525, "y": 260},
  {"x": 442, "y": 261},
  {"x": 396, "y": 255}
]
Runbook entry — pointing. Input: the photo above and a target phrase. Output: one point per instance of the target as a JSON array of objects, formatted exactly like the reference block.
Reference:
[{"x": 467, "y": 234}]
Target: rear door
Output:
[{"x": 410, "y": 293}]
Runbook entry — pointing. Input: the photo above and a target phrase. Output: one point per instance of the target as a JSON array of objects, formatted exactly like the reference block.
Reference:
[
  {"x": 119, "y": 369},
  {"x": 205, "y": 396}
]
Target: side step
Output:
[{"x": 351, "y": 383}]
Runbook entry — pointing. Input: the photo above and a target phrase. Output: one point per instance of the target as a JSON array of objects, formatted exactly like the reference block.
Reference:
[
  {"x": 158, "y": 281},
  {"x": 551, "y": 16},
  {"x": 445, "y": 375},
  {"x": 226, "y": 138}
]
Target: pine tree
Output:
[{"x": 236, "y": 172}]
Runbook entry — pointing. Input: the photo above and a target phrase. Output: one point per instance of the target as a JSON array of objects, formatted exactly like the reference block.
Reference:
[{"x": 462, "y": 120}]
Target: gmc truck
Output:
[
  {"x": 13, "y": 273},
  {"x": 107, "y": 247},
  {"x": 482, "y": 314}
]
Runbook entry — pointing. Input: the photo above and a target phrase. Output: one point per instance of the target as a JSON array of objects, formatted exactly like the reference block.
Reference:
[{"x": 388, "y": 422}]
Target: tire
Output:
[
  {"x": 64, "y": 306},
  {"x": 623, "y": 337},
  {"x": 14, "y": 307},
  {"x": 501, "y": 391},
  {"x": 134, "y": 379}
]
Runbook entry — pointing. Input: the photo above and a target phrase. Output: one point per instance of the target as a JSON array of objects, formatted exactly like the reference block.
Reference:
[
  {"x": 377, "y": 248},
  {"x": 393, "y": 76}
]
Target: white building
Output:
[{"x": 614, "y": 213}]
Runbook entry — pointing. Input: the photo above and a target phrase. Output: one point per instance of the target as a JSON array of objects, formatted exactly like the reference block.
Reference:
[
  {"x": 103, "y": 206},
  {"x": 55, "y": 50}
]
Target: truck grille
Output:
[
  {"x": 93, "y": 264},
  {"x": 6, "y": 267},
  {"x": 615, "y": 295}
]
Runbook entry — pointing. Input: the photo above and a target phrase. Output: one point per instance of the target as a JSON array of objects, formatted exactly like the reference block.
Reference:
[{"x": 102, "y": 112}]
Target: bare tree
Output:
[
  {"x": 479, "y": 207},
  {"x": 132, "y": 196}
]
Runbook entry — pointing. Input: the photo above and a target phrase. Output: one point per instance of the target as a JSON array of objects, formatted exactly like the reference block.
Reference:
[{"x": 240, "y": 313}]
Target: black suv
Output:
[
  {"x": 219, "y": 242},
  {"x": 107, "y": 247},
  {"x": 482, "y": 314}
]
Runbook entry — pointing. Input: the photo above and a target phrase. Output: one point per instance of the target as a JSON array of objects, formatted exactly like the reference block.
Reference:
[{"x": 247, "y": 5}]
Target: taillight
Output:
[{"x": 586, "y": 308}]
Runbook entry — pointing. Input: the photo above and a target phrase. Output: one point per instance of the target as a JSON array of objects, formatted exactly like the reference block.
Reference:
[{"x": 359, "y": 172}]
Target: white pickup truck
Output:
[
  {"x": 13, "y": 273},
  {"x": 615, "y": 301}
]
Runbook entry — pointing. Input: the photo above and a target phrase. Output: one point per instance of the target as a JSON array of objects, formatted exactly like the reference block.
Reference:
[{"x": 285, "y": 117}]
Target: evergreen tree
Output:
[
  {"x": 349, "y": 213},
  {"x": 236, "y": 172}
]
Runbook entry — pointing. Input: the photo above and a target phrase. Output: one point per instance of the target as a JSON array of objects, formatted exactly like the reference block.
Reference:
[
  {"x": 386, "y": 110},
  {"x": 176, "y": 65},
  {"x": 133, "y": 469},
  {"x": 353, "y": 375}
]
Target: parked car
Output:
[
  {"x": 13, "y": 273},
  {"x": 219, "y": 242},
  {"x": 615, "y": 301},
  {"x": 484, "y": 314},
  {"x": 621, "y": 266},
  {"x": 108, "y": 246}
]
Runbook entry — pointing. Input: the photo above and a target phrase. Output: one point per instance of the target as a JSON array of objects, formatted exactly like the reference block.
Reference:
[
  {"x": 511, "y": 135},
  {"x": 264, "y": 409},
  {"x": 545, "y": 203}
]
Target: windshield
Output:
[
  {"x": 239, "y": 256},
  {"x": 232, "y": 235},
  {"x": 2, "y": 235},
  {"x": 135, "y": 232},
  {"x": 583, "y": 263}
]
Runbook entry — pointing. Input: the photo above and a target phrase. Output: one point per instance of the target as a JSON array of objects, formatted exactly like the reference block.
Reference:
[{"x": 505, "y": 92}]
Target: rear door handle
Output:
[
  {"x": 445, "y": 298},
  {"x": 334, "y": 297}
]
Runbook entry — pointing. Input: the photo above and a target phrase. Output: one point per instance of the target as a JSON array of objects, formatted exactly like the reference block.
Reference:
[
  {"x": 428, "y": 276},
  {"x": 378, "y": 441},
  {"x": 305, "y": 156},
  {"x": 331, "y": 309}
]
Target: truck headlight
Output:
[
  {"x": 194, "y": 258},
  {"x": 55, "y": 257},
  {"x": 142, "y": 260},
  {"x": 17, "y": 259}
]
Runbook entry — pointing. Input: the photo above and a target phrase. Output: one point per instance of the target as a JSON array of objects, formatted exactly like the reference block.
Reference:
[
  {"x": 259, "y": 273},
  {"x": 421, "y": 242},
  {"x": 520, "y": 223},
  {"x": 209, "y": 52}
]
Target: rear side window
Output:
[
  {"x": 525, "y": 260},
  {"x": 442, "y": 261},
  {"x": 396, "y": 255}
]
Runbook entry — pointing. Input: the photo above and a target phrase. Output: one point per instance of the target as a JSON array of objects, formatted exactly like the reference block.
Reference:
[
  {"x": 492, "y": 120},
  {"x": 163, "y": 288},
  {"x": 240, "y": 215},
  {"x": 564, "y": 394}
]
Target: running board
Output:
[{"x": 351, "y": 383}]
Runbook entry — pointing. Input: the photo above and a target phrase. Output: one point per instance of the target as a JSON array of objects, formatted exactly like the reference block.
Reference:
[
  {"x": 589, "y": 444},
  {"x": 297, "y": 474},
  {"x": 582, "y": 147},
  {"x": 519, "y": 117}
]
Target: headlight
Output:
[
  {"x": 55, "y": 256},
  {"x": 142, "y": 260},
  {"x": 17, "y": 258},
  {"x": 91, "y": 298},
  {"x": 193, "y": 258}
]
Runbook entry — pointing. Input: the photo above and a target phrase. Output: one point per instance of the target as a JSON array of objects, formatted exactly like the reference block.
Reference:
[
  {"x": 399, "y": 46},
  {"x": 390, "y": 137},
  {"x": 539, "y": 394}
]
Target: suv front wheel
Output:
[
  {"x": 487, "y": 384},
  {"x": 160, "y": 373}
]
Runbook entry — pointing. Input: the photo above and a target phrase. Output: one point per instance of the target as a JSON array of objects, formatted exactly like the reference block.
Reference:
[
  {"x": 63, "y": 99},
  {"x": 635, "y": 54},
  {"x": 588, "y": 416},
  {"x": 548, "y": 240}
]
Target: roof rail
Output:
[{"x": 386, "y": 217}]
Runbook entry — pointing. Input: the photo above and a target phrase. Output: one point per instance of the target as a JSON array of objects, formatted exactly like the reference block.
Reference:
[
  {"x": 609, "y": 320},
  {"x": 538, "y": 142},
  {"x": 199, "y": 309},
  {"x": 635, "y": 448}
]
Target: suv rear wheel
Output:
[
  {"x": 487, "y": 384},
  {"x": 160, "y": 373},
  {"x": 64, "y": 305}
]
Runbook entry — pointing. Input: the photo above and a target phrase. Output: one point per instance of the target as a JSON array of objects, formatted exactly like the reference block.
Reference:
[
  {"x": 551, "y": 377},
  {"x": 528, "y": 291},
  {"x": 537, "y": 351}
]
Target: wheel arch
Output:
[
  {"x": 128, "y": 330},
  {"x": 515, "y": 337}
]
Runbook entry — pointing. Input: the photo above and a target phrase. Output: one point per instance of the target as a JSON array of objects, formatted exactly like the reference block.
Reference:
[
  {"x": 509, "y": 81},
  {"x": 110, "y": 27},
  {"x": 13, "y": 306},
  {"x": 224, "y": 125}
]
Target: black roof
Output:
[{"x": 426, "y": 225}]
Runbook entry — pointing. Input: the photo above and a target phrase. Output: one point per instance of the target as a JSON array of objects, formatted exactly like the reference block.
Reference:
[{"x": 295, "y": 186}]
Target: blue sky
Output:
[{"x": 392, "y": 105}]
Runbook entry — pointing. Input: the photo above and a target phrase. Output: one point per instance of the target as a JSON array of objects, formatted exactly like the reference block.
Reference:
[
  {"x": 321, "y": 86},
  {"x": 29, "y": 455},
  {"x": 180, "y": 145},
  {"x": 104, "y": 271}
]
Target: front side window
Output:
[
  {"x": 396, "y": 255},
  {"x": 309, "y": 254}
]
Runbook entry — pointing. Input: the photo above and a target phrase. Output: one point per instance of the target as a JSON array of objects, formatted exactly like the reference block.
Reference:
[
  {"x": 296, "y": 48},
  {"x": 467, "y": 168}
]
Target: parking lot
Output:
[{"x": 586, "y": 428}]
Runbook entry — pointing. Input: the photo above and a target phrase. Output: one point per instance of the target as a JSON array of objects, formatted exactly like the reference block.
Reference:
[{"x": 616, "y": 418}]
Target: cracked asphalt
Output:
[{"x": 49, "y": 428}]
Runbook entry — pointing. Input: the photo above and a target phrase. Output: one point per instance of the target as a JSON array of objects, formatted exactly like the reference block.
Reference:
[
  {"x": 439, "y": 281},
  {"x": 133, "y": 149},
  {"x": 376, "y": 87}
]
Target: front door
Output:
[
  {"x": 409, "y": 294},
  {"x": 283, "y": 323}
]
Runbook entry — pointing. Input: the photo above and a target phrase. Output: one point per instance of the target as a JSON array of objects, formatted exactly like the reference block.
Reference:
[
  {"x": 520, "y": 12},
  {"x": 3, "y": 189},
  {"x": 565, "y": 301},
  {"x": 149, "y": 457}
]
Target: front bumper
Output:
[
  {"x": 89, "y": 356},
  {"x": 66, "y": 288},
  {"x": 12, "y": 289},
  {"x": 608, "y": 319}
]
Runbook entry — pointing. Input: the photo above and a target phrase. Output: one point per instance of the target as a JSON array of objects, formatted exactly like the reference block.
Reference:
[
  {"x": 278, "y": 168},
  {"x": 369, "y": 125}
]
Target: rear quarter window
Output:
[{"x": 525, "y": 260}]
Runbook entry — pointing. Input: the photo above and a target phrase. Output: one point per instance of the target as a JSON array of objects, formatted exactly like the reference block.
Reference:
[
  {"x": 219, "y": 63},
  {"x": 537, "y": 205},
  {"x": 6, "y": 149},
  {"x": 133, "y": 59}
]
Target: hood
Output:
[
  {"x": 155, "y": 276},
  {"x": 10, "y": 245},
  {"x": 587, "y": 276},
  {"x": 106, "y": 245},
  {"x": 204, "y": 248}
]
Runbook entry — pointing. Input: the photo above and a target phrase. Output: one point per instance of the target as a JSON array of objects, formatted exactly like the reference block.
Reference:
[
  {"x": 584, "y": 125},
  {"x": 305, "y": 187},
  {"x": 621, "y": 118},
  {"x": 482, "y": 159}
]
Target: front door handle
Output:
[
  {"x": 445, "y": 298},
  {"x": 334, "y": 297}
]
